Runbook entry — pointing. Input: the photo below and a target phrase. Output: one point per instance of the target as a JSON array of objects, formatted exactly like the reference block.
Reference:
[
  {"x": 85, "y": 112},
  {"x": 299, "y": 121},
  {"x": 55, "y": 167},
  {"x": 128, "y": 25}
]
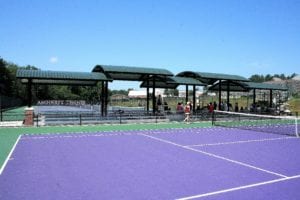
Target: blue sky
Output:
[{"x": 242, "y": 37}]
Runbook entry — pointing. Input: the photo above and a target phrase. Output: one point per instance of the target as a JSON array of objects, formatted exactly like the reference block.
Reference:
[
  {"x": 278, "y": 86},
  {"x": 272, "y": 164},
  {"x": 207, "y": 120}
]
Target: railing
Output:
[{"x": 112, "y": 117}]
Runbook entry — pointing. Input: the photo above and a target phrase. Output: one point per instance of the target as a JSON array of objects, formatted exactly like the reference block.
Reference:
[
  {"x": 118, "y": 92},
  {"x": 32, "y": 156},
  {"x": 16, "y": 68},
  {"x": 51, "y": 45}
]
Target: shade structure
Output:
[
  {"x": 211, "y": 78},
  {"x": 60, "y": 77},
  {"x": 130, "y": 73},
  {"x": 172, "y": 82}
]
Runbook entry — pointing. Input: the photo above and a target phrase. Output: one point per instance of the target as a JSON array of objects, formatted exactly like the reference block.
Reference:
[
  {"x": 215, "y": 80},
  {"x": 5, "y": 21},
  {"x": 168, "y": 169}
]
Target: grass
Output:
[
  {"x": 8, "y": 136},
  {"x": 295, "y": 105}
]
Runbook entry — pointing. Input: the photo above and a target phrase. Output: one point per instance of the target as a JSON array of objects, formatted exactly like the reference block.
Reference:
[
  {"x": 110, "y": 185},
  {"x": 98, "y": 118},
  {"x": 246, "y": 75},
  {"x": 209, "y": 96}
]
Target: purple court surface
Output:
[{"x": 191, "y": 163}]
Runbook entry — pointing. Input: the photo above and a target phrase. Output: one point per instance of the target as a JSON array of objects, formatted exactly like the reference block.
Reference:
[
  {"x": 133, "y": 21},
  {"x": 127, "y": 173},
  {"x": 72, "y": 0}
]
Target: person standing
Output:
[
  {"x": 236, "y": 107},
  {"x": 159, "y": 103},
  {"x": 211, "y": 107},
  {"x": 187, "y": 112},
  {"x": 215, "y": 105}
]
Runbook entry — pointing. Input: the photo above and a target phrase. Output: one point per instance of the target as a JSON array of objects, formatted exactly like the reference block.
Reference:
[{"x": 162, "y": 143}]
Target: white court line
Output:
[
  {"x": 239, "y": 188},
  {"x": 215, "y": 156},
  {"x": 55, "y": 136},
  {"x": 10, "y": 153},
  {"x": 240, "y": 142}
]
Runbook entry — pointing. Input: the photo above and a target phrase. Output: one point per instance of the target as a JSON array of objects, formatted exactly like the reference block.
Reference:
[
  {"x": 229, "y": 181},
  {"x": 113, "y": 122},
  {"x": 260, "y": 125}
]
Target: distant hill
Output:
[
  {"x": 296, "y": 78},
  {"x": 292, "y": 84}
]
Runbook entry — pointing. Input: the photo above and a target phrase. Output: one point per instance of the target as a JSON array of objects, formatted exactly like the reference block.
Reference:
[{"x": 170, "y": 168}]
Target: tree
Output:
[
  {"x": 257, "y": 78},
  {"x": 268, "y": 77},
  {"x": 5, "y": 81}
]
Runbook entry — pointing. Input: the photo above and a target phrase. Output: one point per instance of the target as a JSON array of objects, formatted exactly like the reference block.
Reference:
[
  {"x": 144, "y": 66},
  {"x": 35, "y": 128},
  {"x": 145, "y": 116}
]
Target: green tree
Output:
[
  {"x": 268, "y": 77},
  {"x": 5, "y": 79},
  {"x": 257, "y": 78}
]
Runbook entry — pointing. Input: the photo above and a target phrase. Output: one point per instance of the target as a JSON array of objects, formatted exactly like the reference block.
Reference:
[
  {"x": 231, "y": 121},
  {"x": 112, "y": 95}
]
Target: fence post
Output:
[
  {"x": 80, "y": 122},
  {"x": 37, "y": 120}
]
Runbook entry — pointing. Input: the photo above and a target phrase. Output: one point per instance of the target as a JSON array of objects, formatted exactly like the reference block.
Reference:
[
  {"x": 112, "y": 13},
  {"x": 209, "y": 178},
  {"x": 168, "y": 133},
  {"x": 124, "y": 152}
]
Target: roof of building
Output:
[
  {"x": 60, "y": 77},
  {"x": 265, "y": 86},
  {"x": 237, "y": 86},
  {"x": 210, "y": 78},
  {"x": 130, "y": 73},
  {"x": 173, "y": 82}
]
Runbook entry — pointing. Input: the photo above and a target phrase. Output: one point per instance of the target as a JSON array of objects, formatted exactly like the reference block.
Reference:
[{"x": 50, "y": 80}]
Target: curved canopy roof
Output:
[
  {"x": 60, "y": 77},
  {"x": 173, "y": 82},
  {"x": 265, "y": 86},
  {"x": 210, "y": 78},
  {"x": 236, "y": 86},
  {"x": 130, "y": 73}
]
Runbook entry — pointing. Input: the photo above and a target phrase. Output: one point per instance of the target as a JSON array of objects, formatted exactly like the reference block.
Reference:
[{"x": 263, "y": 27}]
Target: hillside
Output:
[{"x": 293, "y": 84}]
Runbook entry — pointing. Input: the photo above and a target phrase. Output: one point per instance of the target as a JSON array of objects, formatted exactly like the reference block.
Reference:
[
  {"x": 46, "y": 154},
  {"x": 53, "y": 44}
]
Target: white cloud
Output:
[{"x": 53, "y": 59}]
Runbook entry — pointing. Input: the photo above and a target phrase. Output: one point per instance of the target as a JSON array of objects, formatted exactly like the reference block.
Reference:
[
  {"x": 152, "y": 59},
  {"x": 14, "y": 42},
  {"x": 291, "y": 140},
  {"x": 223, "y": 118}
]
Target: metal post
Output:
[
  {"x": 29, "y": 94},
  {"x": 147, "y": 94},
  {"x": 228, "y": 95},
  {"x": 220, "y": 94},
  {"x": 186, "y": 93},
  {"x": 106, "y": 97},
  {"x": 153, "y": 96},
  {"x": 102, "y": 99},
  {"x": 271, "y": 98},
  {"x": 254, "y": 96},
  {"x": 37, "y": 120},
  {"x": 194, "y": 98}
]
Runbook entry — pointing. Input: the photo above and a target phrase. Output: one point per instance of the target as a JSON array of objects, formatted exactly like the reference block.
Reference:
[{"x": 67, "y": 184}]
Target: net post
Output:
[{"x": 296, "y": 126}]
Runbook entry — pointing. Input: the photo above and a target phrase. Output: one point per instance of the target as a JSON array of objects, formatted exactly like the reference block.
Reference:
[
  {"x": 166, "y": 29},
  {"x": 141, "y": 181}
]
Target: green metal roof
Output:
[
  {"x": 236, "y": 86},
  {"x": 60, "y": 77},
  {"x": 186, "y": 81},
  {"x": 265, "y": 86},
  {"x": 210, "y": 78},
  {"x": 130, "y": 73},
  {"x": 172, "y": 82}
]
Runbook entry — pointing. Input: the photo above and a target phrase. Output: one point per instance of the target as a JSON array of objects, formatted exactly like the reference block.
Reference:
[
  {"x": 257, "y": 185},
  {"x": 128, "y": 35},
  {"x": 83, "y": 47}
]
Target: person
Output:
[
  {"x": 236, "y": 107},
  {"x": 242, "y": 109},
  {"x": 166, "y": 106},
  {"x": 225, "y": 106},
  {"x": 210, "y": 107},
  {"x": 215, "y": 105},
  {"x": 159, "y": 103},
  {"x": 179, "y": 108},
  {"x": 222, "y": 106},
  {"x": 230, "y": 108},
  {"x": 187, "y": 112},
  {"x": 198, "y": 107}
]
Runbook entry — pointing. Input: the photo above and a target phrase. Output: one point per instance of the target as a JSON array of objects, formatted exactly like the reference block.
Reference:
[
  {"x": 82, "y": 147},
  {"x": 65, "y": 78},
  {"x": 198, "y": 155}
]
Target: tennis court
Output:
[{"x": 170, "y": 163}]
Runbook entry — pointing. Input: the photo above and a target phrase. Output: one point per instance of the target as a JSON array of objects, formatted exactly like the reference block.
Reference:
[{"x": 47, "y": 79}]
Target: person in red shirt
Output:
[
  {"x": 187, "y": 112},
  {"x": 211, "y": 107}
]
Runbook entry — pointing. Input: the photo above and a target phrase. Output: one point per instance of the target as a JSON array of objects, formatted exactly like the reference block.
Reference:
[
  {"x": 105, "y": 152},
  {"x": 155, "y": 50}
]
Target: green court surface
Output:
[{"x": 8, "y": 136}]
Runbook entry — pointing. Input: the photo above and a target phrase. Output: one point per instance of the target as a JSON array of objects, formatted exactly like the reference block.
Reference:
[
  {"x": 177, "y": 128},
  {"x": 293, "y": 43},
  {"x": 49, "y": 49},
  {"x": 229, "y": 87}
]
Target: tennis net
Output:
[{"x": 284, "y": 125}]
